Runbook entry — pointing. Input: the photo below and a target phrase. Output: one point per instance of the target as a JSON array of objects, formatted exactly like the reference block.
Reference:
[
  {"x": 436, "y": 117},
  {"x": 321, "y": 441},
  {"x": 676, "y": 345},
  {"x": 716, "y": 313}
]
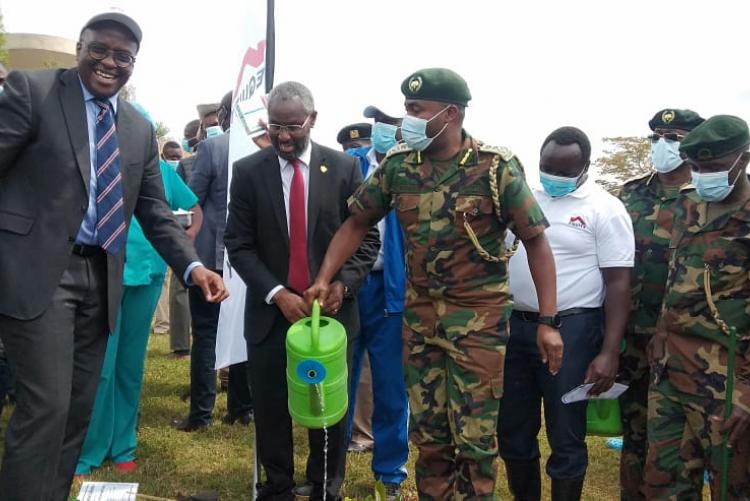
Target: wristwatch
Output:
[{"x": 554, "y": 322}]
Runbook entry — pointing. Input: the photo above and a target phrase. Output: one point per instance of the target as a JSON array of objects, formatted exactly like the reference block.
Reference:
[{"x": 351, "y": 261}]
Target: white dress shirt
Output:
[
  {"x": 287, "y": 173},
  {"x": 373, "y": 164},
  {"x": 589, "y": 230}
]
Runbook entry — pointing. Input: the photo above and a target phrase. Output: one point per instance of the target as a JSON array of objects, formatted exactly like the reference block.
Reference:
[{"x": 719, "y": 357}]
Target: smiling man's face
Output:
[{"x": 105, "y": 77}]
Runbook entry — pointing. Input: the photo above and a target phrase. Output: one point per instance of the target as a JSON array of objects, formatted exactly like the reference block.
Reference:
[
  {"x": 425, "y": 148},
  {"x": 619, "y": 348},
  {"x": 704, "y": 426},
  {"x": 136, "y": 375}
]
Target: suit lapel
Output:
[
  {"x": 126, "y": 138},
  {"x": 74, "y": 111},
  {"x": 315, "y": 192},
  {"x": 272, "y": 178}
]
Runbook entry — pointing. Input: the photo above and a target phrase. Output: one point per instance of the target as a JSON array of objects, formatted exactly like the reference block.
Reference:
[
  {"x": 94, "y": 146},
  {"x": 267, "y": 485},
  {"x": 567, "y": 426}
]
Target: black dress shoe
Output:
[
  {"x": 303, "y": 490},
  {"x": 188, "y": 426},
  {"x": 244, "y": 419}
]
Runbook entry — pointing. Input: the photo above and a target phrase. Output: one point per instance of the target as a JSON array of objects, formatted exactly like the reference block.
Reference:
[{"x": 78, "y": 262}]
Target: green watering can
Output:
[
  {"x": 316, "y": 371},
  {"x": 603, "y": 418}
]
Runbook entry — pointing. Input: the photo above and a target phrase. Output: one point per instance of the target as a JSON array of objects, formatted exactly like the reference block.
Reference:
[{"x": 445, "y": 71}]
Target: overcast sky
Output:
[{"x": 531, "y": 65}]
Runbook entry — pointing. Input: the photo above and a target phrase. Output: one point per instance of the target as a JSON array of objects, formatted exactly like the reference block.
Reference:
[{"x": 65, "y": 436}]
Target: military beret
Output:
[
  {"x": 437, "y": 84},
  {"x": 354, "y": 132},
  {"x": 117, "y": 17},
  {"x": 671, "y": 118},
  {"x": 718, "y": 136}
]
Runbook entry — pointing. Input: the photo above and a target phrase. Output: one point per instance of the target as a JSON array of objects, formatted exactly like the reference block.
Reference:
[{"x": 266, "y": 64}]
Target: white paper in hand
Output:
[
  {"x": 582, "y": 393},
  {"x": 107, "y": 491}
]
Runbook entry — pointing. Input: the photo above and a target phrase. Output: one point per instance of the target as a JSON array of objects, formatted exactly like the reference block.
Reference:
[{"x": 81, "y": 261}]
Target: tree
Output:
[
  {"x": 127, "y": 92},
  {"x": 623, "y": 158},
  {"x": 161, "y": 131},
  {"x": 3, "y": 50}
]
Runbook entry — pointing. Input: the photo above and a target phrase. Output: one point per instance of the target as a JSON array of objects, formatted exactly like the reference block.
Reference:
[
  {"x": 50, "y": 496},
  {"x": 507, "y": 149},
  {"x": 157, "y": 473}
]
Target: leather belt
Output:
[
  {"x": 87, "y": 250},
  {"x": 533, "y": 316}
]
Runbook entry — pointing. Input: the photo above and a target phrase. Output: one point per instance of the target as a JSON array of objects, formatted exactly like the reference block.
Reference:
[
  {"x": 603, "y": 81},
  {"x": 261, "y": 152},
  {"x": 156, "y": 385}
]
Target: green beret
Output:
[
  {"x": 354, "y": 132},
  {"x": 671, "y": 118},
  {"x": 437, "y": 84},
  {"x": 718, "y": 136}
]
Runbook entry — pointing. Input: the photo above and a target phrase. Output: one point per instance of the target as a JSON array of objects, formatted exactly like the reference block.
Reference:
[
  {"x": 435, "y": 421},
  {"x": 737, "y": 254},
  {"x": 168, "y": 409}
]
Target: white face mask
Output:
[
  {"x": 414, "y": 131},
  {"x": 665, "y": 155}
]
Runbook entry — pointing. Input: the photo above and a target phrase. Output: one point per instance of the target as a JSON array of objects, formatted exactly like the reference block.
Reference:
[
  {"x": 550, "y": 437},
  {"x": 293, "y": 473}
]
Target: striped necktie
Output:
[{"x": 110, "y": 223}]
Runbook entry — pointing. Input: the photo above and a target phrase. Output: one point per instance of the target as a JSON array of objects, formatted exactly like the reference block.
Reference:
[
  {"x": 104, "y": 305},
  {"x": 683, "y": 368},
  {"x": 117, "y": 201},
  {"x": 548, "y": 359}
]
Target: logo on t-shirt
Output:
[{"x": 578, "y": 222}]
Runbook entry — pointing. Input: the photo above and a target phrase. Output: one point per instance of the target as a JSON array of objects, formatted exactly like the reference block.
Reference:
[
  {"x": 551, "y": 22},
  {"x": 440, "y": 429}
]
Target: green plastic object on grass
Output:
[
  {"x": 316, "y": 370},
  {"x": 603, "y": 418}
]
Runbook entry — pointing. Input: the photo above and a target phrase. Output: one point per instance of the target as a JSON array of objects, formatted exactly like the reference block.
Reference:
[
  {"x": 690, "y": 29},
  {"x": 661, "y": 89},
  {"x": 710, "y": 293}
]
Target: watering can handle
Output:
[{"x": 315, "y": 325}]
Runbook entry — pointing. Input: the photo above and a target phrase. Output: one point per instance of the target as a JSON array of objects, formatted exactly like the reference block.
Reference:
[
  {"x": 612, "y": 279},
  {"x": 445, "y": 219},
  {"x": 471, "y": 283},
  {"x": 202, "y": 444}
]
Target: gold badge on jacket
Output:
[{"x": 323, "y": 169}]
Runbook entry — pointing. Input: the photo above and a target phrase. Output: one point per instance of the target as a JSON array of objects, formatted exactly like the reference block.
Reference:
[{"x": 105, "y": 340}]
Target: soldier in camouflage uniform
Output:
[
  {"x": 709, "y": 265},
  {"x": 650, "y": 201},
  {"x": 457, "y": 300}
]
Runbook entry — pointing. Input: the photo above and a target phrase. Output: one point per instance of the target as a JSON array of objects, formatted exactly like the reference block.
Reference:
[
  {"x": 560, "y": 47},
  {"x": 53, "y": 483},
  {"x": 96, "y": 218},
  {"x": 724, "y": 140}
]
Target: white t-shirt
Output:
[{"x": 589, "y": 230}]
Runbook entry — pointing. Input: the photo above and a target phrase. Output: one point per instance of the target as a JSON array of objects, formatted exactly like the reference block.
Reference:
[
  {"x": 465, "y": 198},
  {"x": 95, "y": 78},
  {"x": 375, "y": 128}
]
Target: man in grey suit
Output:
[
  {"x": 286, "y": 204},
  {"x": 76, "y": 163},
  {"x": 209, "y": 183}
]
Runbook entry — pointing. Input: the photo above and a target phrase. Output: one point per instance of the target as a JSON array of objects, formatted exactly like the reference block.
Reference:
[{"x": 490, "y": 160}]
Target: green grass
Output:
[{"x": 172, "y": 462}]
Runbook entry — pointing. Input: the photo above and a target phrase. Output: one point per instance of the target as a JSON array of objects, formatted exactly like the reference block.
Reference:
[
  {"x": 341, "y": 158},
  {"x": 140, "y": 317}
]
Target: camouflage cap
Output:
[
  {"x": 437, "y": 84},
  {"x": 354, "y": 132},
  {"x": 718, "y": 136},
  {"x": 671, "y": 118}
]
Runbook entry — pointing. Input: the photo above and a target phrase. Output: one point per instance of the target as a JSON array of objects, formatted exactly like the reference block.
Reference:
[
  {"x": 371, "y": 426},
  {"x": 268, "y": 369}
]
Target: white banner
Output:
[{"x": 247, "y": 108}]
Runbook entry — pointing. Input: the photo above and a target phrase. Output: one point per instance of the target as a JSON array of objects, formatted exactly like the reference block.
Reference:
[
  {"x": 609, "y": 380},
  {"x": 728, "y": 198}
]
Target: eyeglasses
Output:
[
  {"x": 669, "y": 136},
  {"x": 99, "y": 52},
  {"x": 291, "y": 129}
]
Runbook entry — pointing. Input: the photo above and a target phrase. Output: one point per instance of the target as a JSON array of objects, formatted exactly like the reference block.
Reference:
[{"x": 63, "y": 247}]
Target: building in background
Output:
[{"x": 32, "y": 51}]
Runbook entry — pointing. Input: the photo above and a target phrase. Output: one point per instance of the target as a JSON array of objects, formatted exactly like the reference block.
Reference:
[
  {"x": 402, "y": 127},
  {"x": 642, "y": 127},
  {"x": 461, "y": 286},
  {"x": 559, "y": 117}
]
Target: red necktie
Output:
[{"x": 299, "y": 276}]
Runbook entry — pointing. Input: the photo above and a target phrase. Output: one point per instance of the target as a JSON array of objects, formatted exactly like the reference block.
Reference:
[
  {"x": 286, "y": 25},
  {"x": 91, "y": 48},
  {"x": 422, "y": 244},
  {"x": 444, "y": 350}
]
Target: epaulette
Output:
[
  {"x": 397, "y": 150},
  {"x": 648, "y": 176},
  {"x": 504, "y": 152}
]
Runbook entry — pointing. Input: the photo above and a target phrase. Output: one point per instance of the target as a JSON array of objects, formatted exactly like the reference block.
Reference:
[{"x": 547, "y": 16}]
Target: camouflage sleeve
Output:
[
  {"x": 520, "y": 210},
  {"x": 373, "y": 197}
]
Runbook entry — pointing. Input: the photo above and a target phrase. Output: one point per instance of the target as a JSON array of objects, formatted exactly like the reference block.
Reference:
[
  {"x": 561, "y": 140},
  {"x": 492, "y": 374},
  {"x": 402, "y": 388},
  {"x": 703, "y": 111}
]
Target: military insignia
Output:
[
  {"x": 415, "y": 84},
  {"x": 323, "y": 169},
  {"x": 705, "y": 154},
  {"x": 504, "y": 153},
  {"x": 667, "y": 116},
  {"x": 354, "y": 134}
]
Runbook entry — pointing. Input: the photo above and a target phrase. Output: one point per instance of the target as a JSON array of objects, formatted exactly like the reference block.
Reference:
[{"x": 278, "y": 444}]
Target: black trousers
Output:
[
  {"x": 273, "y": 425},
  {"x": 57, "y": 359},
  {"x": 205, "y": 321}
]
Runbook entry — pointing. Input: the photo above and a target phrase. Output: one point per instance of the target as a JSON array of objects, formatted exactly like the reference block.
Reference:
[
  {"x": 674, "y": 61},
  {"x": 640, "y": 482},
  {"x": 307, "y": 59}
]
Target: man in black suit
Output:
[
  {"x": 76, "y": 163},
  {"x": 285, "y": 205}
]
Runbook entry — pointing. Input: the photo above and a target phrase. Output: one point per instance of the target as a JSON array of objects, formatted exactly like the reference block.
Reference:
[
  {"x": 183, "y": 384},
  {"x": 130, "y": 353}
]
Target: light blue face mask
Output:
[
  {"x": 173, "y": 163},
  {"x": 214, "y": 131},
  {"x": 186, "y": 146},
  {"x": 714, "y": 186},
  {"x": 414, "y": 131},
  {"x": 558, "y": 186},
  {"x": 665, "y": 155},
  {"x": 383, "y": 136}
]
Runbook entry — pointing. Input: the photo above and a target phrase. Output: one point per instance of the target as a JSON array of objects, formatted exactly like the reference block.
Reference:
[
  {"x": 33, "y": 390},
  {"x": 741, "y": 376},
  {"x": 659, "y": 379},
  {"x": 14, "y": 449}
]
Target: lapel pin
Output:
[{"x": 323, "y": 169}]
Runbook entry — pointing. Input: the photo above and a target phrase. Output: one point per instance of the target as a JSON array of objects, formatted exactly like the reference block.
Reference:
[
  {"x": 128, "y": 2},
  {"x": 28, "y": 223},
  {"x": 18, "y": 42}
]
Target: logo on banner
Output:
[{"x": 252, "y": 63}]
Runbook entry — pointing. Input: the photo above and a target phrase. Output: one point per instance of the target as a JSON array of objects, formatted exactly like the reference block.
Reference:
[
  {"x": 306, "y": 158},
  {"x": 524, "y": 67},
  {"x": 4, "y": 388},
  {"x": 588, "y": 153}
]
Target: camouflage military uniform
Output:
[
  {"x": 690, "y": 379},
  {"x": 457, "y": 304},
  {"x": 651, "y": 207}
]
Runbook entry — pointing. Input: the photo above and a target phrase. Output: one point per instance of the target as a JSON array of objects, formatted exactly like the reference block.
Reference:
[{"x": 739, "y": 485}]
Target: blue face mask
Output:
[
  {"x": 558, "y": 186},
  {"x": 383, "y": 136},
  {"x": 714, "y": 186},
  {"x": 414, "y": 131},
  {"x": 186, "y": 146},
  {"x": 214, "y": 131},
  {"x": 665, "y": 155},
  {"x": 173, "y": 163}
]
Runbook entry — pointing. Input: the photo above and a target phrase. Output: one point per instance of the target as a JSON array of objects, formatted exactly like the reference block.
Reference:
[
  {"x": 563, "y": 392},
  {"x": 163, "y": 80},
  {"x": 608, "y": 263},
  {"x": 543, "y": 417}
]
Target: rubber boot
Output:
[
  {"x": 524, "y": 480},
  {"x": 567, "y": 490}
]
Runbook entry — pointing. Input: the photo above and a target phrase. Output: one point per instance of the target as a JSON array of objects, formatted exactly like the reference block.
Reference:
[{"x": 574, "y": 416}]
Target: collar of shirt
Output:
[
  {"x": 304, "y": 157},
  {"x": 88, "y": 96}
]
